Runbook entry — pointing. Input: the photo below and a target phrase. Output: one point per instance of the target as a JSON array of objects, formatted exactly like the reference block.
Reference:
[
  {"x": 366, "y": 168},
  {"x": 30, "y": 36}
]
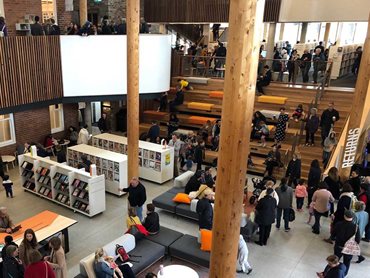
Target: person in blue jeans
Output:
[
  {"x": 136, "y": 196},
  {"x": 285, "y": 194}
]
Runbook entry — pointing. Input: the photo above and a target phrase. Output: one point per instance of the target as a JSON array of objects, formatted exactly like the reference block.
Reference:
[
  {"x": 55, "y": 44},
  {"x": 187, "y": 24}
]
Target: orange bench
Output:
[
  {"x": 198, "y": 120},
  {"x": 216, "y": 94},
  {"x": 200, "y": 106},
  {"x": 155, "y": 114}
]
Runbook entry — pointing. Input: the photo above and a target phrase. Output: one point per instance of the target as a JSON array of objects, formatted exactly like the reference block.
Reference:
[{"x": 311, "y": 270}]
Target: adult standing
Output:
[
  {"x": 355, "y": 181},
  {"x": 36, "y": 28},
  {"x": 362, "y": 220},
  {"x": 343, "y": 231},
  {"x": 273, "y": 160},
  {"x": 2, "y": 174},
  {"x": 364, "y": 197},
  {"x": 329, "y": 143},
  {"x": 176, "y": 144},
  {"x": 312, "y": 125},
  {"x": 199, "y": 154},
  {"x": 269, "y": 184},
  {"x": 334, "y": 185},
  {"x": 136, "y": 196},
  {"x": 293, "y": 172},
  {"x": 215, "y": 31},
  {"x": 6, "y": 223},
  {"x": 27, "y": 246},
  {"x": 205, "y": 210},
  {"x": 321, "y": 199},
  {"x": 85, "y": 163},
  {"x": 293, "y": 66},
  {"x": 344, "y": 203},
  {"x": 54, "y": 28},
  {"x": 3, "y": 27},
  {"x": 73, "y": 136},
  {"x": 328, "y": 118},
  {"x": 38, "y": 267},
  {"x": 318, "y": 63},
  {"x": 153, "y": 132},
  {"x": 306, "y": 65},
  {"x": 8, "y": 241},
  {"x": 265, "y": 216},
  {"x": 285, "y": 194},
  {"x": 12, "y": 266},
  {"x": 173, "y": 125},
  {"x": 281, "y": 126},
  {"x": 264, "y": 80},
  {"x": 314, "y": 176},
  {"x": 83, "y": 136},
  {"x": 102, "y": 123},
  {"x": 57, "y": 258}
]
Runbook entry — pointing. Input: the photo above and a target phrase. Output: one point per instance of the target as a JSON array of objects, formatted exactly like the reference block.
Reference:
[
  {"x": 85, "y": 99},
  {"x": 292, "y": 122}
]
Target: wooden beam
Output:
[
  {"x": 354, "y": 127},
  {"x": 133, "y": 22},
  {"x": 245, "y": 22},
  {"x": 83, "y": 12}
]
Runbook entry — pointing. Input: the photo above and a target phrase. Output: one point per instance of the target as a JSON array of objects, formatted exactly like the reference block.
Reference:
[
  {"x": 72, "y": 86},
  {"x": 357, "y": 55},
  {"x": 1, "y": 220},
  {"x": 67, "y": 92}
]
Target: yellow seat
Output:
[
  {"x": 200, "y": 106},
  {"x": 271, "y": 127},
  {"x": 272, "y": 99},
  {"x": 198, "y": 120},
  {"x": 216, "y": 94}
]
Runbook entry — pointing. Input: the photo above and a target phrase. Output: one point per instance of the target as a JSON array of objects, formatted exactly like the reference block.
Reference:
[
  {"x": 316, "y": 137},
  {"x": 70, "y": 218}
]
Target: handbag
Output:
[
  {"x": 291, "y": 215},
  {"x": 351, "y": 247}
]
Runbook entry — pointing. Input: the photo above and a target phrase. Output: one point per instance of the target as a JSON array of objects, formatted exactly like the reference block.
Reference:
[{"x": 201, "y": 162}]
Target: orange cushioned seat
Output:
[
  {"x": 199, "y": 120},
  {"x": 200, "y": 106},
  {"x": 216, "y": 94},
  {"x": 155, "y": 113},
  {"x": 271, "y": 127},
  {"x": 272, "y": 99}
]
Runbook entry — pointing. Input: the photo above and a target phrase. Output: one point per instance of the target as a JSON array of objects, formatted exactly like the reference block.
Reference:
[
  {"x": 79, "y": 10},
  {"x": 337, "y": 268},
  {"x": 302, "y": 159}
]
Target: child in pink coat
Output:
[{"x": 300, "y": 193}]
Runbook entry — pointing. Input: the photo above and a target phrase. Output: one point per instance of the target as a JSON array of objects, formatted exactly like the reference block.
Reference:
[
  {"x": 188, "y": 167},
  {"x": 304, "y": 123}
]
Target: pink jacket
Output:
[{"x": 301, "y": 191}]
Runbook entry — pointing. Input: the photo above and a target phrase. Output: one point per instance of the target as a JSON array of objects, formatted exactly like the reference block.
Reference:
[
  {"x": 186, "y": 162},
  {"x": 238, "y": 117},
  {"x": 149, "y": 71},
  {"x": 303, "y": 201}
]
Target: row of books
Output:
[
  {"x": 62, "y": 199},
  {"x": 44, "y": 180},
  {"x": 29, "y": 185},
  {"x": 43, "y": 171},
  {"x": 27, "y": 174},
  {"x": 81, "y": 206},
  {"x": 61, "y": 178},
  {"x": 45, "y": 191},
  {"x": 82, "y": 194},
  {"x": 27, "y": 165},
  {"x": 80, "y": 184},
  {"x": 61, "y": 187}
]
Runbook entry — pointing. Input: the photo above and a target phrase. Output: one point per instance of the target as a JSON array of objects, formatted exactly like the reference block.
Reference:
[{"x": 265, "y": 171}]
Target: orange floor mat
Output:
[{"x": 35, "y": 223}]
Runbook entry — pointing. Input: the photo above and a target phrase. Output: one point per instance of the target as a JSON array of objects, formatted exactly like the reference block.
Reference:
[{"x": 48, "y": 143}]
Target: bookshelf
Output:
[
  {"x": 343, "y": 58},
  {"x": 110, "y": 164},
  {"x": 155, "y": 162},
  {"x": 57, "y": 182}
]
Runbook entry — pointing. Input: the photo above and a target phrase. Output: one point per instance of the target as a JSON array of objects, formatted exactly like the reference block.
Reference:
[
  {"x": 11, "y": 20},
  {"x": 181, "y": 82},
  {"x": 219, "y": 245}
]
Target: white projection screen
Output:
[{"x": 97, "y": 65}]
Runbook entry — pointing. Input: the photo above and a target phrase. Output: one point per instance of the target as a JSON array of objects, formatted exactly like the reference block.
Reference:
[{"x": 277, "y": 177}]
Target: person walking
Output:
[
  {"x": 281, "y": 126},
  {"x": 329, "y": 143},
  {"x": 293, "y": 172},
  {"x": 136, "y": 196},
  {"x": 362, "y": 220},
  {"x": 300, "y": 194},
  {"x": 199, "y": 154},
  {"x": 265, "y": 216},
  {"x": 57, "y": 258},
  {"x": 176, "y": 144},
  {"x": 243, "y": 265},
  {"x": 83, "y": 136},
  {"x": 328, "y": 118},
  {"x": 343, "y": 231},
  {"x": 314, "y": 176},
  {"x": 312, "y": 125},
  {"x": 306, "y": 65},
  {"x": 2, "y": 174},
  {"x": 321, "y": 199},
  {"x": 285, "y": 194},
  {"x": 8, "y": 185},
  {"x": 334, "y": 185}
]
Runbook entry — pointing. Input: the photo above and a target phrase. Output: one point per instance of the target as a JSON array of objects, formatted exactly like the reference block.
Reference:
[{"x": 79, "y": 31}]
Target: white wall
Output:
[
  {"x": 97, "y": 65},
  {"x": 2, "y": 13},
  {"x": 324, "y": 10}
]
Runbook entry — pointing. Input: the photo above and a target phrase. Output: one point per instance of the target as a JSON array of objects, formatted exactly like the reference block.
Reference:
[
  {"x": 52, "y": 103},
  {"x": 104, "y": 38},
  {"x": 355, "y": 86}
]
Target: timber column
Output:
[
  {"x": 354, "y": 125},
  {"x": 133, "y": 22},
  {"x": 245, "y": 23},
  {"x": 83, "y": 12}
]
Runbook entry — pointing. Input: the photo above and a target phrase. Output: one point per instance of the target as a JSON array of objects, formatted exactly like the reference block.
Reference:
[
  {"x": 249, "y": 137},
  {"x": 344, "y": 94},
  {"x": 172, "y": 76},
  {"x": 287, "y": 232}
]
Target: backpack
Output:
[{"x": 121, "y": 252}]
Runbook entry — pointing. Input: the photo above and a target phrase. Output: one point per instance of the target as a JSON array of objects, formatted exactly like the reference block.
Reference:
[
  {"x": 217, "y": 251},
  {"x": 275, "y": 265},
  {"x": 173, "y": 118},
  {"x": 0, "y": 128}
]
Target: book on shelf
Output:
[
  {"x": 76, "y": 192},
  {"x": 83, "y": 207},
  {"x": 47, "y": 191},
  {"x": 82, "y": 194},
  {"x": 64, "y": 199},
  {"x": 42, "y": 190},
  {"x": 41, "y": 179},
  {"x": 76, "y": 182},
  {"x": 45, "y": 172},
  {"x": 29, "y": 185},
  {"x": 50, "y": 195},
  {"x": 27, "y": 165},
  {"x": 39, "y": 169},
  {"x": 57, "y": 176}
]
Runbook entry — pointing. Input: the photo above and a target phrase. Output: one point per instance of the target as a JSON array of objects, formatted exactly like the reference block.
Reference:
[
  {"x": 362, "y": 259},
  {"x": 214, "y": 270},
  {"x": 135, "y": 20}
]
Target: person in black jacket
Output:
[
  {"x": 8, "y": 241},
  {"x": 342, "y": 232},
  {"x": 264, "y": 80},
  {"x": 205, "y": 210},
  {"x": 355, "y": 182},
  {"x": 265, "y": 216},
  {"x": 314, "y": 176},
  {"x": 334, "y": 268},
  {"x": 194, "y": 182},
  {"x": 2, "y": 174},
  {"x": 102, "y": 123},
  {"x": 178, "y": 100},
  {"x": 85, "y": 163},
  {"x": 136, "y": 196},
  {"x": 153, "y": 132},
  {"x": 151, "y": 222},
  {"x": 334, "y": 185},
  {"x": 12, "y": 267},
  {"x": 328, "y": 118},
  {"x": 36, "y": 28},
  {"x": 293, "y": 171},
  {"x": 199, "y": 154}
]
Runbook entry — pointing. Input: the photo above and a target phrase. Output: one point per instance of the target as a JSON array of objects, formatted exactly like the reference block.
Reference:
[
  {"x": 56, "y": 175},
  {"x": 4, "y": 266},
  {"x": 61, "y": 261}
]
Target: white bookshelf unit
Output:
[
  {"x": 343, "y": 58},
  {"x": 110, "y": 164},
  {"x": 155, "y": 161},
  {"x": 59, "y": 183}
]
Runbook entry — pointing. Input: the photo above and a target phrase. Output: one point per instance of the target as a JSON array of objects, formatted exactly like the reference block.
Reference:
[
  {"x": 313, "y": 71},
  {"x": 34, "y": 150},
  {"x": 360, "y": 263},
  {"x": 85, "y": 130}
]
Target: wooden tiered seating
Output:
[
  {"x": 156, "y": 115},
  {"x": 200, "y": 106},
  {"x": 272, "y": 99}
]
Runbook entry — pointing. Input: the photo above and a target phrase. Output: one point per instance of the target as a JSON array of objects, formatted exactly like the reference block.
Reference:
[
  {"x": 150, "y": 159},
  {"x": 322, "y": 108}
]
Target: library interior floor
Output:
[{"x": 298, "y": 253}]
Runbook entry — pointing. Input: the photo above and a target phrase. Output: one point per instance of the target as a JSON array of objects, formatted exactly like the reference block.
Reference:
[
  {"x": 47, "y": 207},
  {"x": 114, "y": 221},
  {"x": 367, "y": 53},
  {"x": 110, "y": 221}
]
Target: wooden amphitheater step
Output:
[{"x": 200, "y": 106}]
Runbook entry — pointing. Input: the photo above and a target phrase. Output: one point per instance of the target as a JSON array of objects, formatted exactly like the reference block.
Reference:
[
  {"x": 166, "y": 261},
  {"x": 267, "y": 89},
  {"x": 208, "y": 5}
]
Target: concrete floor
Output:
[{"x": 298, "y": 253}]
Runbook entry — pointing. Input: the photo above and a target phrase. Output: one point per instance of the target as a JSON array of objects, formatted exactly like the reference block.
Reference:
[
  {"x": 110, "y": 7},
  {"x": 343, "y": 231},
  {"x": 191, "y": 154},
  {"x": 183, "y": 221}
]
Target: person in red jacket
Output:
[{"x": 38, "y": 268}]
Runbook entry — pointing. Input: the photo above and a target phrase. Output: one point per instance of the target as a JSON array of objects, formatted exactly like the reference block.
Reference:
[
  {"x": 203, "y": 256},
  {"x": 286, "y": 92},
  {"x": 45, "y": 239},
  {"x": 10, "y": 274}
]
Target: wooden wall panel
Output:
[
  {"x": 187, "y": 11},
  {"x": 30, "y": 70}
]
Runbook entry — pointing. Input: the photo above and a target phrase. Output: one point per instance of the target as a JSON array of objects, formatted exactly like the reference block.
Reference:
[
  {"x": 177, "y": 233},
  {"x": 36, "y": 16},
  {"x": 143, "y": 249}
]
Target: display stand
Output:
[
  {"x": 155, "y": 161},
  {"x": 343, "y": 58},
  {"x": 110, "y": 164},
  {"x": 58, "y": 182}
]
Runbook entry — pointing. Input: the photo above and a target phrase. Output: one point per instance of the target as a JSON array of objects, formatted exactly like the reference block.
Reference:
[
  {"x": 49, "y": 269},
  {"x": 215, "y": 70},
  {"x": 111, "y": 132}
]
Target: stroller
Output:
[{"x": 259, "y": 185}]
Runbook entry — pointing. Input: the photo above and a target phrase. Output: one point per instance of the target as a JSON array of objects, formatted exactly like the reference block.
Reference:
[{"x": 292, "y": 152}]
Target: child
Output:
[
  {"x": 8, "y": 185},
  {"x": 298, "y": 113},
  {"x": 117, "y": 272},
  {"x": 242, "y": 262},
  {"x": 264, "y": 130},
  {"x": 300, "y": 194},
  {"x": 311, "y": 212},
  {"x": 189, "y": 163}
]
